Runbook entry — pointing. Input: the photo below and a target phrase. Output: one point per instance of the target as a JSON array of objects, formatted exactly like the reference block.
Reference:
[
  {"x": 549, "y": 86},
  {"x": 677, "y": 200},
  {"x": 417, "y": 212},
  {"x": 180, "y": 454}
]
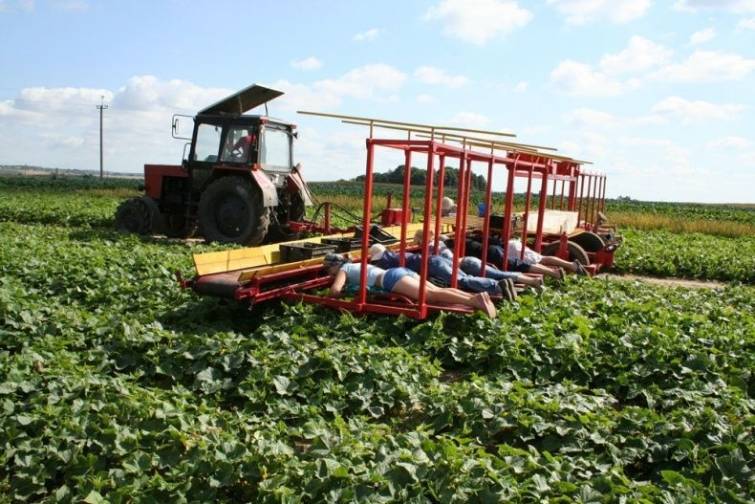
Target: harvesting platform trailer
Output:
[
  {"x": 237, "y": 182},
  {"x": 567, "y": 221}
]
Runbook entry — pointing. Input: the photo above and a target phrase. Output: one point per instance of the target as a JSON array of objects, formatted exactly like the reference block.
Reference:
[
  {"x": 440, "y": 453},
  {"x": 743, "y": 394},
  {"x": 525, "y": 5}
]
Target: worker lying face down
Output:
[
  {"x": 473, "y": 265},
  {"x": 531, "y": 263},
  {"x": 347, "y": 276},
  {"x": 442, "y": 270}
]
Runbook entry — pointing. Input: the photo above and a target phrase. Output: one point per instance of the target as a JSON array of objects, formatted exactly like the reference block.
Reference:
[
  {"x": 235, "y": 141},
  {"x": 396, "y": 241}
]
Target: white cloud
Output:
[
  {"x": 478, "y": 21},
  {"x": 746, "y": 24},
  {"x": 702, "y": 36},
  {"x": 641, "y": 54},
  {"x": 521, "y": 86},
  {"x": 147, "y": 92},
  {"x": 421, "y": 98},
  {"x": 580, "y": 12},
  {"x": 470, "y": 120},
  {"x": 367, "y": 36},
  {"x": 374, "y": 81},
  {"x": 310, "y": 63},
  {"x": 729, "y": 5},
  {"x": 434, "y": 75},
  {"x": 581, "y": 79},
  {"x": 707, "y": 66},
  {"x": 733, "y": 142},
  {"x": 688, "y": 111}
]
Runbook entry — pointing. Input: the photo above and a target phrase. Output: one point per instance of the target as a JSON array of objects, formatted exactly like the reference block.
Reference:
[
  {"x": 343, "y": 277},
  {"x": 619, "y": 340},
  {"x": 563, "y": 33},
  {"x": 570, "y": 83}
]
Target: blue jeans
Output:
[
  {"x": 442, "y": 269},
  {"x": 473, "y": 266}
]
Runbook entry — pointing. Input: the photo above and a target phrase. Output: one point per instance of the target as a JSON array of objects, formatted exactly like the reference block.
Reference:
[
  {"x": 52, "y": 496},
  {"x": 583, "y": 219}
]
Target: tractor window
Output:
[
  {"x": 276, "y": 150},
  {"x": 208, "y": 143},
  {"x": 238, "y": 144}
]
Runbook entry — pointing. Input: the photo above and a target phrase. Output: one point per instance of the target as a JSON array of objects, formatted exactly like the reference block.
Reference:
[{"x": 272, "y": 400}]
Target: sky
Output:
[{"x": 658, "y": 94}]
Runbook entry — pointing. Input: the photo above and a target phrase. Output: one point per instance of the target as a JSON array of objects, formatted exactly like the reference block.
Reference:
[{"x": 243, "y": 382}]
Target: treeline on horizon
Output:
[{"x": 396, "y": 176}]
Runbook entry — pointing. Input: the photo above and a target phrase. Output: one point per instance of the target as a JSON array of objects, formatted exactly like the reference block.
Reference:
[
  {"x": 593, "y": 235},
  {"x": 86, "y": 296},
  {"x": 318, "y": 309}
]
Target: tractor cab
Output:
[{"x": 237, "y": 183}]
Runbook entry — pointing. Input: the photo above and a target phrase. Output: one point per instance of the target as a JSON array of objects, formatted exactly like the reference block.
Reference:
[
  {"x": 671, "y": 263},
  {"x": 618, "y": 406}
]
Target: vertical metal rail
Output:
[
  {"x": 507, "y": 211},
  {"x": 486, "y": 217},
  {"x": 366, "y": 222},
  {"x": 527, "y": 200},
  {"x": 553, "y": 196},
  {"x": 561, "y": 201},
  {"x": 603, "y": 195},
  {"x": 467, "y": 192},
  {"x": 457, "y": 229},
  {"x": 588, "y": 212},
  {"x": 427, "y": 217},
  {"x": 405, "y": 203},
  {"x": 541, "y": 206},
  {"x": 580, "y": 215},
  {"x": 439, "y": 201},
  {"x": 572, "y": 190}
]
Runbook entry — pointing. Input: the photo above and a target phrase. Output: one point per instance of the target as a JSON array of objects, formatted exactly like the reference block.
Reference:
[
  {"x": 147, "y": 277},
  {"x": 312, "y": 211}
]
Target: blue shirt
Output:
[
  {"x": 391, "y": 260},
  {"x": 353, "y": 270}
]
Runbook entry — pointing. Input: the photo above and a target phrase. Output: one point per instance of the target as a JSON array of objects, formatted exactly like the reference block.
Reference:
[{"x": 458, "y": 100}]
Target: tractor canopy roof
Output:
[{"x": 242, "y": 101}]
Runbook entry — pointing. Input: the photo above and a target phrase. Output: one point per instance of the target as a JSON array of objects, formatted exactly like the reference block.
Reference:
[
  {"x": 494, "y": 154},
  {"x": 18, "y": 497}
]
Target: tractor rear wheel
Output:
[
  {"x": 589, "y": 241},
  {"x": 138, "y": 215},
  {"x": 576, "y": 253},
  {"x": 231, "y": 211}
]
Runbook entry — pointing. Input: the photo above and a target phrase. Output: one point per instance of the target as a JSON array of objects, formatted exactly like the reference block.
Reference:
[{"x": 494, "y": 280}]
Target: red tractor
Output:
[{"x": 238, "y": 184}]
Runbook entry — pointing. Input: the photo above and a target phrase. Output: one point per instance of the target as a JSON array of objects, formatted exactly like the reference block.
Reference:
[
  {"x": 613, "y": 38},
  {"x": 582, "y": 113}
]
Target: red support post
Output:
[
  {"x": 424, "y": 269},
  {"x": 439, "y": 201},
  {"x": 541, "y": 207},
  {"x": 553, "y": 196},
  {"x": 457, "y": 228},
  {"x": 527, "y": 200},
  {"x": 561, "y": 201},
  {"x": 572, "y": 205},
  {"x": 507, "y": 213},
  {"x": 405, "y": 204},
  {"x": 603, "y": 195},
  {"x": 486, "y": 217},
  {"x": 590, "y": 191},
  {"x": 366, "y": 213},
  {"x": 467, "y": 192},
  {"x": 580, "y": 215}
]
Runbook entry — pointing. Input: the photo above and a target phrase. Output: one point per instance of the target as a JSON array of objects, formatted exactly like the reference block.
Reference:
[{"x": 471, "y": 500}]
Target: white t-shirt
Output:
[{"x": 515, "y": 250}]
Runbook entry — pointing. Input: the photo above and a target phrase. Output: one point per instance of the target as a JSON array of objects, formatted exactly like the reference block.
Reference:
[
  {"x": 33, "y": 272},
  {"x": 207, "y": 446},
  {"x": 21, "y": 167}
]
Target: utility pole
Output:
[{"x": 101, "y": 107}]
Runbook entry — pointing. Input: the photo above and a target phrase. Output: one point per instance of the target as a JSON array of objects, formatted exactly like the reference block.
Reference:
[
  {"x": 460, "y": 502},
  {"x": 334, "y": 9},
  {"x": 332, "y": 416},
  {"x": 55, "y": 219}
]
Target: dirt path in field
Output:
[{"x": 667, "y": 282}]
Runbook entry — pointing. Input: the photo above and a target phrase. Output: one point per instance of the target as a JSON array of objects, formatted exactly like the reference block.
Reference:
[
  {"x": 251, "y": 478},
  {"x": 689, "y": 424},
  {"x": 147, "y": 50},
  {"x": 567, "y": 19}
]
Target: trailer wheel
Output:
[
  {"x": 576, "y": 253},
  {"x": 231, "y": 211},
  {"x": 589, "y": 241},
  {"x": 138, "y": 215}
]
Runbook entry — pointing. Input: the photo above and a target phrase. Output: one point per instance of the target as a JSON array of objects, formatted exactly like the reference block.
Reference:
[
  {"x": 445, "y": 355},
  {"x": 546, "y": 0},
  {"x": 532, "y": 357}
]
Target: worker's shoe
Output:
[
  {"x": 580, "y": 269},
  {"x": 508, "y": 289}
]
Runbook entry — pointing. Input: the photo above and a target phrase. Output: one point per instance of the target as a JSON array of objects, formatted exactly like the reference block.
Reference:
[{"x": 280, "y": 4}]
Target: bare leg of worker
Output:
[
  {"x": 409, "y": 286},
  {"x": 559, "y": 263}
]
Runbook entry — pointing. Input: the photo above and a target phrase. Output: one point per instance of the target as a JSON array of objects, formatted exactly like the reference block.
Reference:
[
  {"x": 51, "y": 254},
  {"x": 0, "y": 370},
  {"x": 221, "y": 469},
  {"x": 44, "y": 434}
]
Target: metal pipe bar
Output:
[
  {"x": 603, "y": 197},
  {"x": 541, "y": 212},
  {"x": 439, "y": 201},
  {"x": 553, "y": 196},
  {"x": 424, "y": 269},
  {"x": 486, "y": 222},
  {"x": 588, "y": 213},
  {"x": 507, "y": 212},
  {"x": 561, "y": 201},
  {"x": 581, "y": 197},
  {"x": 405, "y": 205},
  {"x": 465, "y": 214},
  {"x": 368, "y": 120},
  {"x": 527, "y": 199},
  {"x": 457, "y": 238},
  {"x": 367, "y": 211}
]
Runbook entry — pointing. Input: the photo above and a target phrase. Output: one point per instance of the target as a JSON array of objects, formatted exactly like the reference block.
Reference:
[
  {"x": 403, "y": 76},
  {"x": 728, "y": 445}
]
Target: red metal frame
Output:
[{"x": 294, "y": 283}]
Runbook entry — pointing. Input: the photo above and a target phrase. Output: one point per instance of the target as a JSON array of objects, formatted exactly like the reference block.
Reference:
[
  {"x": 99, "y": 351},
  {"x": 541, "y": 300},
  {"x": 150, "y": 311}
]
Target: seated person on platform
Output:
[
  {"x": 401, "y": 281},
  {"x": 442, "y": 270},
  {"x": 515, "y": 250},
  {"x": 473, "y": 266},
  {"x": 447, "y": 207}
]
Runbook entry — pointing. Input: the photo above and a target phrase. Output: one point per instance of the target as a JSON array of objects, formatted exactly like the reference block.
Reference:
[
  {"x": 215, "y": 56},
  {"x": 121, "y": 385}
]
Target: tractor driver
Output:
[{"x": 243, "y": 146}]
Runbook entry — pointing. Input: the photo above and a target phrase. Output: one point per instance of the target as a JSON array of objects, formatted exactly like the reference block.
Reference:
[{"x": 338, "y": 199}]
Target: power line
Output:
[{"x": 101, "y": 107}]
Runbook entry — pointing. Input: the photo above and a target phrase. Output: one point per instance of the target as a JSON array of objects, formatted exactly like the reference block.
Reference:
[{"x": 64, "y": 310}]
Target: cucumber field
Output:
[{"x": 118, "y": 386}]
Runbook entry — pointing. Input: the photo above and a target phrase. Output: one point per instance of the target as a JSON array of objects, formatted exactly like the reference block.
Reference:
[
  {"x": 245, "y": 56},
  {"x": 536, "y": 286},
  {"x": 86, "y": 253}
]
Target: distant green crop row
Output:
[
  {"x": 117, "y": 386},
  {"x": 690, "y": 255}
]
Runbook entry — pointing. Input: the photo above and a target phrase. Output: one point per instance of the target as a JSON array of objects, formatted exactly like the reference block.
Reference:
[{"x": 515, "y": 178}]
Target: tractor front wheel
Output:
[{"x": 231, "y": 211}]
